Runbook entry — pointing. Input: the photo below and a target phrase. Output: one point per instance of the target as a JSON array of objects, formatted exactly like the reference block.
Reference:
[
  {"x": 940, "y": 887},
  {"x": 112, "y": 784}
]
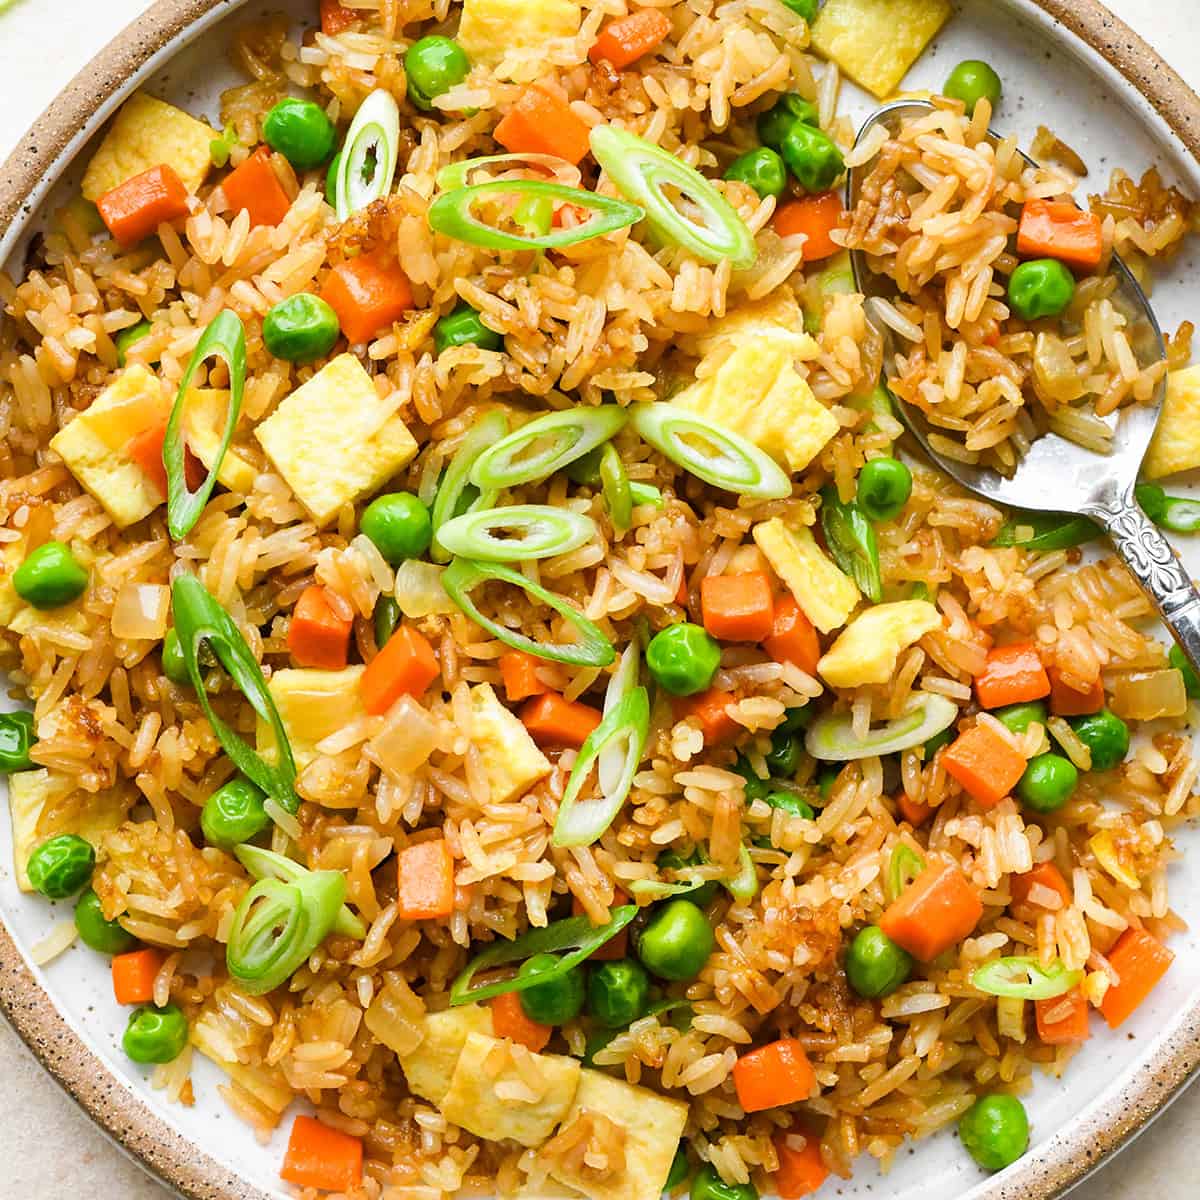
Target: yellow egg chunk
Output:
[
  {"x": 778, "y": 317},
  {"x": 490, "y": 28},
  {"x": 329, "y": 443},
  {"x": 511, "y": 760},
  {"x": 430, "y": 1067},
  {"x": 867, "y": 649},
  {"x": 312, "y": 704},
  {"x": 203, "y": 422},
  {"x": 825, "y": 593},
  {"x": 1175, "y": 446}
]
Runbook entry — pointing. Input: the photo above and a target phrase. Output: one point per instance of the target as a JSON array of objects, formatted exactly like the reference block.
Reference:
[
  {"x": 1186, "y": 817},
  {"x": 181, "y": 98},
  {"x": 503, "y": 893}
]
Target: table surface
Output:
[{"x": 51, "y": 1148}]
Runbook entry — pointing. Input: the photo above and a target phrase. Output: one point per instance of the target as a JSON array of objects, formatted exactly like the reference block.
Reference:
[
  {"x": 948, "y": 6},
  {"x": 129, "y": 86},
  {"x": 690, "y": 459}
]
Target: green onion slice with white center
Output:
[
  {"x": 369, "y": 154},
  {"x": 517, "y": 533},
  {"x": 462, "y": 174},
  {"x": 904, "y": 865},
  {"x": 1025, "y": 978},
  {"x": 266, "y": 864},
  {"x": 831, "y": 738},
  {"x": 743, "y": 887},
  {"x": 618, "y": 495},
  {"x": 456, "y": 494}
]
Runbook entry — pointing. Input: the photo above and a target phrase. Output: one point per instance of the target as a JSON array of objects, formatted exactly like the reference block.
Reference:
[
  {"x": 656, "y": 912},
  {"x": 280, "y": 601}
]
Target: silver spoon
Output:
[{"x": 1057, "y": 475}]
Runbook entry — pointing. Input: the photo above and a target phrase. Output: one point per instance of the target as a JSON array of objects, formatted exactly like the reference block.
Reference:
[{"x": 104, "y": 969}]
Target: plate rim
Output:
[{"x": 27, "y": 175}]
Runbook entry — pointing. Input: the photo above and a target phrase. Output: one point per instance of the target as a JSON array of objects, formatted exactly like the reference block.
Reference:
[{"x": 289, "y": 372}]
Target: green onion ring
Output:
[
  {"x": 618, "y": 496},
  {"x": 904, "y": 865},
  {"x": 376, "y": 127},
  {"x": 592, "y": 650},
  {"x": 452, "y": 491},
  {"x": 641, "y": 170},
  {"x": 723, "y": 459},
  {"x": 743, "y": 887},
  {"x": 225, "y": 338},
  {"x": 1176, "y": 514},
  {"x": 851, "y": 539},
  {"x": 266, "y": 864},
  {"x": 831, "y": 737},
  {"x": 535, "y": 215},
  {"x": 1022, "y": 977},
  {"x": 458, "y": 174},
  {"x": 533, "y": 531}
]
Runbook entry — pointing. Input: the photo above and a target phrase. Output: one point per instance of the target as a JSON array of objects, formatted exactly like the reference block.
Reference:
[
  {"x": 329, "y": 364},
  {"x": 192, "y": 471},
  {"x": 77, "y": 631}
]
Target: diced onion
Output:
[
  {"x": 1147, "y": 695},
  {"x": 419, "y": 591},
  {"x": 140, "y": 611},
  {"x": 407, "y": 740}
]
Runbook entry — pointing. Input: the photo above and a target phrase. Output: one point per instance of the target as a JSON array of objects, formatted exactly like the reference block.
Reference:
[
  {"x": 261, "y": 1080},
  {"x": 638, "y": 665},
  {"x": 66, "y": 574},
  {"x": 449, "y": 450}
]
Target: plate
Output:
[{"x": 1065, "y": 63}]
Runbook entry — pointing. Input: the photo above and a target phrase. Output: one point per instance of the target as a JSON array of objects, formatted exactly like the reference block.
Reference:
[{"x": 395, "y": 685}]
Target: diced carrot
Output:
[
  {"x": 255, "y": 187},
  {"x": 626, "y": 39},
  {"x": 936, "y": 911},
  {"x": 1057, "y": 229},
  {"x": 406, "y": 666},
  {"x": 541, "y": 122},
  {"x": 321, "y": 1157},
  {"x": 814, "y": 216},
  {"x": 133, "y": 975},
  {"x": 775, "y": 1074},
  {"x": 519, "y": 672},
  {"x": 614, "y": 948},
  {"x": 1067, "y": 701},
  {"x": 1141, "y": 961},
  {"x": 317, "y": 636},
  {"x": 711, "y": 709},
  {"x": 985, "y": 762},
  {"x": 133, "y": 210},
  {"x": 146, "y": 449},
  {"x": 793, "y": 638},
  {"x": 913, "y": 811},
  {"x": 336, "y": 18},
  {"x": 1062, "y": 1020},
  {"x": 1045, "y": 875},
  {"x": 425, "y": 881},
  {"x": 509, "y": 1021},
  {"x": 553, "y": 720},
  {"x": 801, "y": 1172},
  {"x": 1012, "y": 675},
  {"x": 738, "y": 608},
  {"x": 368, "y": 293}
]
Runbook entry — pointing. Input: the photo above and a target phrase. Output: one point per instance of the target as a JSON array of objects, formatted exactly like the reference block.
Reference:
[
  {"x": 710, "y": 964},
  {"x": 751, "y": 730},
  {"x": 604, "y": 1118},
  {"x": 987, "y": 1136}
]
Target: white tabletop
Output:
[{"x": 48, "y": 1148}]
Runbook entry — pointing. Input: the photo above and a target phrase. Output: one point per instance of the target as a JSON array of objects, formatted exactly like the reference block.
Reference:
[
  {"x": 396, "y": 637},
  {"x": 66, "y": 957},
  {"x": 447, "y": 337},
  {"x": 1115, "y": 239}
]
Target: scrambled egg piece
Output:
[
  {"x": 430, "y": 1067},
  {"x": 778, "y": 317},
  {"x": 146, "y": 133},
  {"x": 758, "y": 393},
  {"x": 824, "y": 592},
  {"x": 867, "y": 649},
  {"x": 312, "y": 704},
  {"x": 653, "y": 1125},
  {"x": 69, "y": 617},
  {"x": 29, "y": 794},
  {"x": 511, "y": 759},
  {"x": 491, "y": 1097},
  {"x": 211, "y": 1035},
  {"x": 1176, "y": 443},
  {"x": 203, "y": 422},
  {"x": 93, "y": 445},
  {"x": 327, "y": 441},
  {"x": 11, "y": 557},
  {"x": 876, "y": 41},
  {"x": 489, "y": 28}
]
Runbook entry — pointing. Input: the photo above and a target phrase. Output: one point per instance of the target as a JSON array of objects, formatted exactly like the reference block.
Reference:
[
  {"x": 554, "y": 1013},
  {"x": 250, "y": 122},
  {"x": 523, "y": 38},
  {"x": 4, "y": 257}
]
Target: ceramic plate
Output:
[{"x": 1065, "y": 63}]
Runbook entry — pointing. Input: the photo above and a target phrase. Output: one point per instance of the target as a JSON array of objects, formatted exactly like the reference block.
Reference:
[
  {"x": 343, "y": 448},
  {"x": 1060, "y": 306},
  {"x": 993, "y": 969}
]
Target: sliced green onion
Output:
[
  {"x": 529, "y": 531},
  {"x": 600, "y": 1038},
  {"x": 1047, "y": 532},
  {"x": 877, "y": 402},
  {"x": 202, "y": 624},
  {"x": 574, "y": 938},
  {"x": 645, "y": 493},
  {"x": 225, "y": 338},
  {"x": 545, "y": 445},
  {"x": 459, "y": 174},
  {"x": 850, "y": 537},
  {"x": 643, "y": 172},
  {"x": 1024, "y": 978},
  {"x": 369, "y": 154},
  {"x": 451, "y": 214},
  {"x": 618, "y": 496},
  {"x": 278, "y": 925},
  {"x": 615, "y": 746},
  {"x": 743, "y": 887},
  {"x": 220, "y": 147},
  {"x": 452, "y": 496},
  {"x": 266, "y": 864},
  {"x": 535, "y": 215},
  {"x": 712, "y": 453},
  {"x": 904, "y": 866},
  {"x": 1176, "y": 514},
  {"x": 831, "y": 737},
  {"x": 592, "y": 649}
]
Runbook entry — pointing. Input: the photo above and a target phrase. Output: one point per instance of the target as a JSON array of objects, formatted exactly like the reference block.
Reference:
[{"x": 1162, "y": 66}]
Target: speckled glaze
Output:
[{"x": 37, "y": 1001}]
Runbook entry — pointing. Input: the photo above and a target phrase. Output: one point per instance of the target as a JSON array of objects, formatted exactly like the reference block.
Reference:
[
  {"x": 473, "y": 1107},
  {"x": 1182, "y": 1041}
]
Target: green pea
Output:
[
  {"x": 676, "y": 942},
  {"x": 803, "y": 8},
  {"x": 301, "y": 132},
  {"x": 331, "y": 176},
  {"x": 16, "y": 739},
  {"x": 233, "y": 814},
  {"x": 672, "y": 860},
  {"x": 50, "y": 577},
  {"x": 434, "y": 65},
  {"x": 1048, "y": 782},
  {"x": 936, "y": 742},
  {"x": 680, "y": 1168},
  {"x": 1105, "y": 735},
  {"x": 884, "y": 486},
  {"x": 708, "y": 1185},
  {"x": 465, "y": 327},
  {"x": 827, "y": 777},
  {"x": 387, "y": 617},
  {"x": 972, "y": 81},
  {"x": 61, "y": 866},
  {"x": 399, "y": 525},
  {"x": 791, "y": 803},
  {"x": 174, "y": 665},
  {"x": 875, "y": 965},
  {"x": 1181, "y": 662},
  {"x": 617, "y": 992},
  {"x": 995, "y": 1131},
  {"x": 557, "y": 1000},
  {"x": 812, "y": 157},
  {"x": 300, "y": 329},
  {"x": 1042, "y": 287},
  {"x": 761, "y": 169},
  {"x": 683, "y": 658},
  {"x": 103, "y": 936},
  {"x": 1019, "y": 717},
  {"x": 155, "y": 1035},
  {"x": 128, "y": 338},
  {"x": 790, "y": 109},
  {"x": 785, "y": 755}
]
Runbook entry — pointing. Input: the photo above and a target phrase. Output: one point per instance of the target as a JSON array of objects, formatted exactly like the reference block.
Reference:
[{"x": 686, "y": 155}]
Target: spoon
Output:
[{"x": 1057, "y": 475}]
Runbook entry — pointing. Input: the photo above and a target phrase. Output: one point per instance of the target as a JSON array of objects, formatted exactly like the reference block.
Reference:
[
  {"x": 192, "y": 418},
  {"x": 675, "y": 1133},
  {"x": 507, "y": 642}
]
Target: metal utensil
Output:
[{"x": 1057, "y": 475}]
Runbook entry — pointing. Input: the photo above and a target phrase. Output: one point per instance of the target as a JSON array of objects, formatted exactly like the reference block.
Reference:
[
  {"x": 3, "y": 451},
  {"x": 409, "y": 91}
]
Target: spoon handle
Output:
[{"x": 1157, "y": 568}]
